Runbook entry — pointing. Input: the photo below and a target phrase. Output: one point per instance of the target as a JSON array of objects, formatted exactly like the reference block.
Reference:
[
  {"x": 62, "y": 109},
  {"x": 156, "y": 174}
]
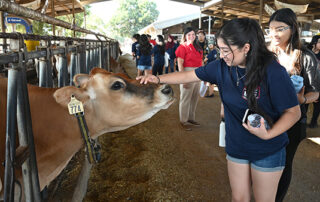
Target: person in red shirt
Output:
[
  {"x": 189, "y": 56},
  {"x": 152, "y": 41}
]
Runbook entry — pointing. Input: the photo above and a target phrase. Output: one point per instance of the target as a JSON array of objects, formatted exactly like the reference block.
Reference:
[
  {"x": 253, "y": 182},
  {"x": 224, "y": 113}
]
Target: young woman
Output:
[
  {"x": 189, "y": 57},
  {"x": 203, "y": 42},
  {"x": 170, "y": 49},
  {"x": 248, "y": 77},
  {"x": 285, "y": 42},
  {"x": 144, "y": 55},
  {"x": 158, "y": 53},
  {"x": 315, "y": 47}
]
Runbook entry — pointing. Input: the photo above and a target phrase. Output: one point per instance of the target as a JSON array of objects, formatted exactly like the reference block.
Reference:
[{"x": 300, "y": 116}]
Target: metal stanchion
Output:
[{"x": 62, "y": 68}]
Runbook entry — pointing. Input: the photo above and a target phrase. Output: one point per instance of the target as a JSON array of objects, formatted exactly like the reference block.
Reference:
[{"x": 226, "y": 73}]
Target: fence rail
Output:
[{"x": 84, "y": 55}]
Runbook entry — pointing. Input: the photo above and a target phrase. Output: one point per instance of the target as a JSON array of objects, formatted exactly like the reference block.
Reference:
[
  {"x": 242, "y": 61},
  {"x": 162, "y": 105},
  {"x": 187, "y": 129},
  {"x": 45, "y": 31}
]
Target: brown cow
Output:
[{"x": 112, "y": 102}]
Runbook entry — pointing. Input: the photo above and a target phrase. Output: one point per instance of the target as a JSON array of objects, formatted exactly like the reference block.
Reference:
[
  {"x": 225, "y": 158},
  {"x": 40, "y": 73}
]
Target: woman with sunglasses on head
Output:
[
  {"x": 248, "y": 77},
  {"x": 298, "y": 61}
]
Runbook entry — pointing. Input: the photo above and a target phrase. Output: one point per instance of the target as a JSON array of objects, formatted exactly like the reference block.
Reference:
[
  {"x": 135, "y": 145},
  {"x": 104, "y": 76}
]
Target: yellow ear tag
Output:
[{"x": 75, "y": 106}]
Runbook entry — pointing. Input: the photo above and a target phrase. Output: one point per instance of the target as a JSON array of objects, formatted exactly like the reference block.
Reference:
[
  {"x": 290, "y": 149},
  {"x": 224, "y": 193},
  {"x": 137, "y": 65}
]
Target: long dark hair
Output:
[
  {"x": 313, "y": 42},
  {"x": 238, "y": 32},
  {"x": 195, "y": 42},
  {"x": 161, "y": 45},
  {"x": 287, "y": 16},
  {"x": 145, "y": 46}
]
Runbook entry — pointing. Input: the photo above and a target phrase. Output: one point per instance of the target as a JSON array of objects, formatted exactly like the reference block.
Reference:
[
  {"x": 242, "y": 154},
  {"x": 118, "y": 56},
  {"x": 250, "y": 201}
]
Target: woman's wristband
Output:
[{"x": 158, "y": 79}]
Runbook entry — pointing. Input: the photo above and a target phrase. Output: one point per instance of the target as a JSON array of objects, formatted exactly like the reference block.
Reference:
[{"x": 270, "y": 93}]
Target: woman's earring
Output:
[{"x": 245, "y": 54}]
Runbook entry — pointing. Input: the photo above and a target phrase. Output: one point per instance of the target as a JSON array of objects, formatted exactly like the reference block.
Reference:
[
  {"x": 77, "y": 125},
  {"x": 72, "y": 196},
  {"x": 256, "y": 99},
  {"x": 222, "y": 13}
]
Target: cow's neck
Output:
[{"x": 57, "y": 136}]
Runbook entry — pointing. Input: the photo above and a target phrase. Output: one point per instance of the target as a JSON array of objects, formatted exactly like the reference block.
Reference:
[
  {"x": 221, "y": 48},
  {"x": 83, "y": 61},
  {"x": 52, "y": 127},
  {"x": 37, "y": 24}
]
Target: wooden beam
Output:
[
  {"x": 53, "y": 15},
  {"x": 260, "y": 12},
  {"x": 189, "y": 2}
]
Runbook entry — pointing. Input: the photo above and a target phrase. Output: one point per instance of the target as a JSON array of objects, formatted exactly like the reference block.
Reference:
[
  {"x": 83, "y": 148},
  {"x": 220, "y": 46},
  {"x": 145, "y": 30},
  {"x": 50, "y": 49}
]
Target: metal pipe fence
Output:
[{"x": 72, "y": 55}]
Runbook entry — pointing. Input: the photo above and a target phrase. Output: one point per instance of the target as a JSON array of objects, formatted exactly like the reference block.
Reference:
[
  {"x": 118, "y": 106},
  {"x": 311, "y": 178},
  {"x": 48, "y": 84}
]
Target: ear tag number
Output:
[{"x": 75, "y": 106}]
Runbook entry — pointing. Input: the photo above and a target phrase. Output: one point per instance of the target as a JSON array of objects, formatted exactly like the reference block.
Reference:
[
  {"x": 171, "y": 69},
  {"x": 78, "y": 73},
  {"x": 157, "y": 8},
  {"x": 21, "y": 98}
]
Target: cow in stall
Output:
[{"x": 112, "y": 102}]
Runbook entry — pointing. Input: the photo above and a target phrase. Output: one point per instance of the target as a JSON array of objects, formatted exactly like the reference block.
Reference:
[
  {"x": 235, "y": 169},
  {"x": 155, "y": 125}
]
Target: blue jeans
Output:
[
  {"x": 171, "y": 64},
  {"x": 271, "y": 163},
  {"x": 144, "y": 67}
]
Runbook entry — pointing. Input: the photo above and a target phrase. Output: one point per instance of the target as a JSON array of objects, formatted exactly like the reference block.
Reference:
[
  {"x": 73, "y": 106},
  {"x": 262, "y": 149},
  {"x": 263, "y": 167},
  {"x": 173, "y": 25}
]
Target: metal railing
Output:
[{"x": 84, "y": 55}]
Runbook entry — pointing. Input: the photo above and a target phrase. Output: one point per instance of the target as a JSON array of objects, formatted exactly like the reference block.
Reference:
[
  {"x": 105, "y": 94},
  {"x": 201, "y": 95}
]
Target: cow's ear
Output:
[
  {"x": 63, "y": 95},
  {"x": 98, "y": 70},
  {"x": 80, "y": 79}
]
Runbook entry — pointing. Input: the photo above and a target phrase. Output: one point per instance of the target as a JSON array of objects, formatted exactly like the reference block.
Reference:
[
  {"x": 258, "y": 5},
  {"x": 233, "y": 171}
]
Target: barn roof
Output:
[{"x": 229, "y": 9}]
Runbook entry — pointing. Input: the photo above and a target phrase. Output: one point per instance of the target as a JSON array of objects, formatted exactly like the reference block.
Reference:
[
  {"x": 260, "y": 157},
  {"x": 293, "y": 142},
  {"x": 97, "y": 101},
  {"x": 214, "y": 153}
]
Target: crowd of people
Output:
[{"x": 275, "y": 81}]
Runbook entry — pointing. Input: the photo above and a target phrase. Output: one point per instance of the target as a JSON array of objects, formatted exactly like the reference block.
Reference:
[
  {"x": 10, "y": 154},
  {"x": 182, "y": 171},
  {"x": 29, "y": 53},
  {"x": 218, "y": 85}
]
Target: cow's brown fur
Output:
[{"x": 56, "y": 133}]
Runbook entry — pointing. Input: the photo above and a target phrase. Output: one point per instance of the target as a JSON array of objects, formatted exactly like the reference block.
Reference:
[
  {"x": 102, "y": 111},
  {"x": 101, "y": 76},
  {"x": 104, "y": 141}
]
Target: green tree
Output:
[
  {"x": 133, "y": 15},
  {"x": 42, "y": 28}
]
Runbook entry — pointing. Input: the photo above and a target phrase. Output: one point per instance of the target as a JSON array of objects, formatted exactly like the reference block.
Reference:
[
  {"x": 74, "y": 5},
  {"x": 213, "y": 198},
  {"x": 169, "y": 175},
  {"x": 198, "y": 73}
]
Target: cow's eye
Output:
[{"x": 117, "y": 85}]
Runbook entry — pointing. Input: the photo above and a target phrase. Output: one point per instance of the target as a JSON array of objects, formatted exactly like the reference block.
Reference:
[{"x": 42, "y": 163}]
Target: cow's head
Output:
[{"x": 113, "y": 101}]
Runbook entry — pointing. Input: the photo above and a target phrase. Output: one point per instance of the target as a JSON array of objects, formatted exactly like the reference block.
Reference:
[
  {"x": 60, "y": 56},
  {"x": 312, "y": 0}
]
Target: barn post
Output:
[
  {"x": 29, "y": 167},
  {"x": 101, "y": 53},
  {"x": 88, "y": 57},
  {"x": 73, "y": 65},
  {"x": 108, "y": 56},
  {"x": 82, "y": 57},
  {"x": 18, "y": 112},
  {"x": 62, "y": 67},
  {"x": 42, "y": 69},
  {"x": 9, "y": 174},
  {"x": 91, "y": 56},
  {"x": 45, "y": 66}
]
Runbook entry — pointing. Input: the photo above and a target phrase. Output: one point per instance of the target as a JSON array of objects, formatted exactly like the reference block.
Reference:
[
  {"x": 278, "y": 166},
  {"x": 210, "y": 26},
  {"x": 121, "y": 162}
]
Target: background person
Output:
[
  {"x": 134, "y": 47},
  {"x": 248, "y": 76},
  {"x": 152, "y": 41},
  {"x": 158, "y": 53},
  {"x": 212, "y": 56},
  {"x": 170, "y": 49},
  {"x": 144, "y": 56},
  {"x": 203, "y": 43},
  {"x": 176, "y": 45},
  {"x": 285, "y": 43},
  {"x": 189, "y": 57},
  {"x": 315, "y": 47}
]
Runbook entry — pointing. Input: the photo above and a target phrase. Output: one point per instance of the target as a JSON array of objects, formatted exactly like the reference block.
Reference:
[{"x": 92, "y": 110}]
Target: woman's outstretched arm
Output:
[{"x": 172, "y": 78}]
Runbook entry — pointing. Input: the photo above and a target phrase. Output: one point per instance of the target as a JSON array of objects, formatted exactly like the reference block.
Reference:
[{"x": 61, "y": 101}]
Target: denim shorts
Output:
[
  {"x": 144, "y": 67},
  {"x": 272, "y": 163}
]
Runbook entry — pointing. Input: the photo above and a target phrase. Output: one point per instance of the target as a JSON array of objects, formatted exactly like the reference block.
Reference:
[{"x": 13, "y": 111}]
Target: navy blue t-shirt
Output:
[
  {"x": 134, "y": 48},
  {"x": 274, "y": 95},
  {"x": 212, "y": 56},
  {"x": 158, "y": 57},
  {"x": 144, "y": 59},
  {"x": 171, "y": 52}
]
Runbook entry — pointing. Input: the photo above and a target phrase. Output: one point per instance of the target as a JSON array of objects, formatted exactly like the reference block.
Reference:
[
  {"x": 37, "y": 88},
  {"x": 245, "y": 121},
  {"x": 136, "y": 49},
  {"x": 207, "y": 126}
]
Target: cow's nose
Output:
[{"x": 166, "y": 90}]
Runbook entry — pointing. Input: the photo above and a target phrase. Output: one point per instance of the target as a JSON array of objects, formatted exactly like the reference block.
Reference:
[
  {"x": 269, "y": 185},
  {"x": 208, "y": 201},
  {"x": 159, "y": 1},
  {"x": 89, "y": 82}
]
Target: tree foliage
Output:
[
  {"x": 133, "y": 15},
  {"x": 42, "y": 28}
]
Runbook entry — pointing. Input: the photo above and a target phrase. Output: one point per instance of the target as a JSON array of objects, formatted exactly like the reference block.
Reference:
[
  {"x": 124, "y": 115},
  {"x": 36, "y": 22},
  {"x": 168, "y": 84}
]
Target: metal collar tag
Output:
[{"x": 93, "y": 149}]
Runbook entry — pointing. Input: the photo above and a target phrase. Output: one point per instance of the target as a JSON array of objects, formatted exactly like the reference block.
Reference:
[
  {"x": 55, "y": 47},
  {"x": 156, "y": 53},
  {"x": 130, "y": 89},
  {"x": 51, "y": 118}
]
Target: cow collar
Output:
[{"x": 92, "y": 147}]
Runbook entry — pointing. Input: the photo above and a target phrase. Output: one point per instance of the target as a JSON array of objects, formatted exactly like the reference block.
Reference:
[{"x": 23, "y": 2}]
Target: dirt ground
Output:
[{"x": 158, "y": 161}]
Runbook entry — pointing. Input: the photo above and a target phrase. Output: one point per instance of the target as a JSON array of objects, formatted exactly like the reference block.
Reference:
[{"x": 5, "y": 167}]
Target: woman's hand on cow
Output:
[
  {"x": 260, "y": 132},
  {"x": 148, "y": 79}
]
